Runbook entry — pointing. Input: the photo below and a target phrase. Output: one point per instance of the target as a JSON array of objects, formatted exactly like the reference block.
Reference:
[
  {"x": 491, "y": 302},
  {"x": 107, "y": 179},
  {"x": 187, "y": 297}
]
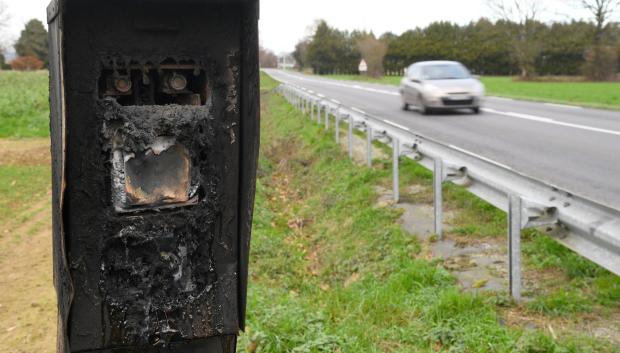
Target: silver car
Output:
[{"x": 440, "y": 85}]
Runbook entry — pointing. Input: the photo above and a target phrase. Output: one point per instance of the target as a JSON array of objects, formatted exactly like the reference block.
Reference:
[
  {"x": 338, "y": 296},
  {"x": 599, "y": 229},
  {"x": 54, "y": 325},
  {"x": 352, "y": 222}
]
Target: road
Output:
[{"x": 574, "y": 148}]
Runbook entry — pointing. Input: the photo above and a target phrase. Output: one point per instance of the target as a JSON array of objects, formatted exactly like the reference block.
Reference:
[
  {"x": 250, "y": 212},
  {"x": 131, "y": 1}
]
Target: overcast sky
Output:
[{"x": 284, "y": 22}]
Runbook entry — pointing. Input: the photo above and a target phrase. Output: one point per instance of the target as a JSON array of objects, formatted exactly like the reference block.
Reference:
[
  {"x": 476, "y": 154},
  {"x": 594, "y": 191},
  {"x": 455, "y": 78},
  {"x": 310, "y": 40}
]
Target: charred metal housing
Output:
[{"x": 155, "y": 131}]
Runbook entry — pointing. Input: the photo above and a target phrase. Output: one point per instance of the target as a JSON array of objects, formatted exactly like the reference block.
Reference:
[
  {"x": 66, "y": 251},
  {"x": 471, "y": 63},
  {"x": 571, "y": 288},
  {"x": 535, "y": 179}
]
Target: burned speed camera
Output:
[{"x": 154, "y": 124}]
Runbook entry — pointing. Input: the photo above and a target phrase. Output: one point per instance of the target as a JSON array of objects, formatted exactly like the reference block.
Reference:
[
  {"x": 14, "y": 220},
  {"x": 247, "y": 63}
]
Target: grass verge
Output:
[
  {"x": 332, "y": 272},
  {"x": 604, "y": 95}
]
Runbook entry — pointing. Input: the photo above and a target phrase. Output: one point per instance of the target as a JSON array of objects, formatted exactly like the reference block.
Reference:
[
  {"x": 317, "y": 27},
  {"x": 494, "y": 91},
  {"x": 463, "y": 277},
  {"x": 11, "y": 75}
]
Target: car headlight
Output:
[
  {"x": 480, "y": 90},
  {"x": 432, "y": 92}
]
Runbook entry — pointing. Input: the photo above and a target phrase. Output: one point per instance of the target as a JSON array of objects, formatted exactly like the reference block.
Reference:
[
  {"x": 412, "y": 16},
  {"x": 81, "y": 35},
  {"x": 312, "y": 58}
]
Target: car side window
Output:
[{"x": 414, "y": 72}]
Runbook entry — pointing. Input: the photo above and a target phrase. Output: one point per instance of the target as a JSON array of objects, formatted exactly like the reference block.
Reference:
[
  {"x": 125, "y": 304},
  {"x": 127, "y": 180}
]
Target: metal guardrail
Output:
[{"x": 584, "y": 226}]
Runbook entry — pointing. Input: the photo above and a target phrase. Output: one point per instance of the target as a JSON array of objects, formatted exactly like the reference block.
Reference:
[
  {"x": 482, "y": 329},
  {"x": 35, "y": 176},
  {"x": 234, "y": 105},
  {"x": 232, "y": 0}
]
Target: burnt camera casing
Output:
[{"x": 155, "y": 133}]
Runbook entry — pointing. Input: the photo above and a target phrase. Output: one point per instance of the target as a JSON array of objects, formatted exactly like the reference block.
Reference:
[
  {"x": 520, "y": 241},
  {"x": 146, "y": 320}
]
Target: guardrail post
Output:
[
  {"x": 438, "y": 196},
  {"x": 326, "y": 117},
  {"x": 350, "y": 134},
  {"x": 318, "y": 112},
  {"x": 395, "y": 160},
  {"x": 514, "y": 245},
  {"x": 369, "y": 146},
  {"x": 338, "y": 116},
  {"x": 312, "y": 104}
]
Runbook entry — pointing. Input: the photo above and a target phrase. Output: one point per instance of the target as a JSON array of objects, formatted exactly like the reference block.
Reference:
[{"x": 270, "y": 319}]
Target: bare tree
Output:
[
  {"x": 4, "y": 23},
  {"x": 4, "y": 18},
  {"x": 601, "y": 59},
  {"x": 373, "y": 52},
  {"x": 523, "y": 30},
  {"x": 4, "y": 15},
  {"x": 4, "y": 38},
  {"x": 602, "y": 10},
  {"x": 266, "y": 58}
]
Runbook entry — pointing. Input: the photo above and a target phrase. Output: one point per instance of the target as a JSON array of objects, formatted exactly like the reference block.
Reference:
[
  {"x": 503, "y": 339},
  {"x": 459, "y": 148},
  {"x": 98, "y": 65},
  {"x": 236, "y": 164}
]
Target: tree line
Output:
[
  {"x": 31, "y": 48},
  {"x": 518, "y": 44},
  {"x": 489, "y": 48}
]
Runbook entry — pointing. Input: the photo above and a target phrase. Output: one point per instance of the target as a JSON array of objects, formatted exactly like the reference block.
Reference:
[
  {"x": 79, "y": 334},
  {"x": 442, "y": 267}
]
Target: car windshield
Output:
[{"x": 444, "y": 72}]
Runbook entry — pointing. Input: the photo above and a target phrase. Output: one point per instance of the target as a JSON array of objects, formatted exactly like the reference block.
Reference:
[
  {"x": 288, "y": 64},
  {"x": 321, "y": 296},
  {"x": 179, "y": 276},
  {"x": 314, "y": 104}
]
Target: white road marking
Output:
[
  {"x": 335, "y": 101},
  {"x": 552, "y": 121},
  {"x": 501, "y": 98},
  {"x": 320, "y": 95},
  {"x": 566, "y": 106},
  {"x": 510, "y": 114},
  {"x": 338, "y": 84},
  {"x": 481, "y": 157},
  {"x": 396, "y": 125},
  {"x": 358, "y": 110},
  {"x": 519, "y": 115}
]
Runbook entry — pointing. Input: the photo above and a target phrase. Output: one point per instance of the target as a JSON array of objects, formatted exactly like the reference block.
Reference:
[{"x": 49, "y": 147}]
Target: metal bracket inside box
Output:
[{"x": 156, "y": 178}]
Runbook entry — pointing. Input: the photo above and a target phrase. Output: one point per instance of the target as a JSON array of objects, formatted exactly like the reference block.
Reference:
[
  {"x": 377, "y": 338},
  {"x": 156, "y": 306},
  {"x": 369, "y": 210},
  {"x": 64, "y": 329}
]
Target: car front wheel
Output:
[
  {"x": 424, "y": 110},
  {"x": 476, "y": 110}
]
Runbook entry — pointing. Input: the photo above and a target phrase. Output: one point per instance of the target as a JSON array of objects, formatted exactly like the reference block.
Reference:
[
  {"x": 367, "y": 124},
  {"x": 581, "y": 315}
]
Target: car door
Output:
[
  {"x": 413, "y": 86},
  {"x": 408, "y": 85}
]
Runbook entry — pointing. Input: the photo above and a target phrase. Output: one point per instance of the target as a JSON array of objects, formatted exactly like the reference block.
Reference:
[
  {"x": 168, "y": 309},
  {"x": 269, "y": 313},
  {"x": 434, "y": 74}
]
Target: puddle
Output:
[{"x": 477, "y": 266}]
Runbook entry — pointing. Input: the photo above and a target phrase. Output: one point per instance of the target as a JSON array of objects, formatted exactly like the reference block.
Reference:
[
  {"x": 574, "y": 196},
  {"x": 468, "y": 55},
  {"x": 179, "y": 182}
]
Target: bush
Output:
[
  {"x": 601, "y": 63},
  {"x": 27, "y": 63}
]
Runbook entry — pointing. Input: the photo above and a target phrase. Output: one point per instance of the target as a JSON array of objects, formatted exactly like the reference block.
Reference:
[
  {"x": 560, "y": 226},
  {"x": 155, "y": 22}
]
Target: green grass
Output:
[
  {"x": 560, "y": 303},
  {"x": 330, "y": 272},
  {"x": 24, "y": 104},
  {"x": 19, "y": 185},
  {"x": 585, "y": 284},
  {"x": 588, "y": 94},
  {"x": 591, "y": 94}
]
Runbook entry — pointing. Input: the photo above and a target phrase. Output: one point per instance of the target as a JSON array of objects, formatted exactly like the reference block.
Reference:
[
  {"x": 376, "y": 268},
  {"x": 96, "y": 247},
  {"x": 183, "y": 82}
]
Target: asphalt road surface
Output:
[{"x": 574, "y": 148}]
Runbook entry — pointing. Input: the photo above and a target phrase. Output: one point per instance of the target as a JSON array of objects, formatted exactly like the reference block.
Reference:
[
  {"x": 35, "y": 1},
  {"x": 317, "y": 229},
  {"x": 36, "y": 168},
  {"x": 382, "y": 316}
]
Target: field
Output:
[
  {"x": 588, "y": 94},
  {"x": 332, "y": 269},
  {"x": 24, "y": 106}
]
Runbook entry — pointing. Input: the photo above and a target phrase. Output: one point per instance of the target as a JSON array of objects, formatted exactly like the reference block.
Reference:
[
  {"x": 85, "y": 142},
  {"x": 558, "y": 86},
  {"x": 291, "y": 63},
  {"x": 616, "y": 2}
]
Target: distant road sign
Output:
[{"x": 363, "y": 66}]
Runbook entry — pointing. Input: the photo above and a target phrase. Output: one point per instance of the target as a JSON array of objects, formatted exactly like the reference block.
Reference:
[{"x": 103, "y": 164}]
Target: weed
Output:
[
  {"x": 561, "y": 302},
  {"x": 544, "y": 252}
]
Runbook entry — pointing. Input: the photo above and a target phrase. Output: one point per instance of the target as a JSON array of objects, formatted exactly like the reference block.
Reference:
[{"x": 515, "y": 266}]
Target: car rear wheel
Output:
[
  {"x": 405, "y": 106},
  {"x": 476, "y": 110}
]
